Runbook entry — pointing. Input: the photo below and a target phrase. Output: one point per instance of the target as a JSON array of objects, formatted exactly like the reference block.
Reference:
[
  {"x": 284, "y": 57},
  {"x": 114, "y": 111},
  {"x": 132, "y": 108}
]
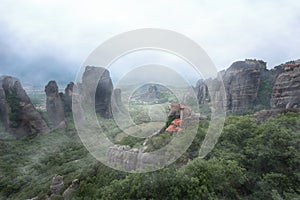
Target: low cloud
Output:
[{"x": 42, "y": 40}]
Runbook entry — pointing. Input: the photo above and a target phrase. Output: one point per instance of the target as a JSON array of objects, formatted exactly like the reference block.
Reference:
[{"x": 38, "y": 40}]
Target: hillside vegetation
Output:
[{"x": 250, "y": 161}]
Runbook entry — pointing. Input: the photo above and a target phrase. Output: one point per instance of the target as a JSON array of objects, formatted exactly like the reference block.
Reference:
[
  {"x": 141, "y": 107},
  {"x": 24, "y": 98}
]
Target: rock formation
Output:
[
  {"x": 101, "y": 92},
  {"x": 150, "y": 94},
  {"x": 69, "y": 193},
  {"x": 57, "y": 185},
  {"x": 68, "y": 97},
  {"x": 202, "y": 92},
  {"x": 56, "y": 189},
  {"x": 247, "y": 86},
  {"x": 286, "y": 89},
  {"x": 54, "y": 106},
  {"x": 117, "y": 105},
  {"x": 264, "y": 115},
  {"x": 17, "y": 114},
  {"x": 123, "y": 157},
  {"x": 250, "y": 85},
  {"x": 117, "y": 97},
  {"x": 242, "y": 81}
]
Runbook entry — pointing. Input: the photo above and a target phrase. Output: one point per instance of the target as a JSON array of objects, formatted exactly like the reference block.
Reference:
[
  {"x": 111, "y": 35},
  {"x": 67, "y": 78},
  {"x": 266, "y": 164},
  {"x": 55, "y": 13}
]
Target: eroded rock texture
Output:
[
  {"x": 70, "y": 192},
  {"x": 68, "y": 97},
  {"x": 55, "y": 106},
  {"x": 117, "y": 105},
  {"x": 286, "y": 89},
  {"x": 124, "y": 157},
  {"x": 97, "y": 84},
  {"x": 202, "y": 92},
  {"x": 17, "y": 113},
  {"x": 57, "y": 185},
  {"x": 242, "y": 81},
  {"x": 264, "y": 115}
]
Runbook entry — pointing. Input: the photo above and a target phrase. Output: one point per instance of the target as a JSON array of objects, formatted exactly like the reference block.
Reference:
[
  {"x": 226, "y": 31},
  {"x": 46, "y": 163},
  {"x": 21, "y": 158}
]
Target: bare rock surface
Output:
[
  {"x": 68, "y": 97},
  {"x": 55, "y": 106},
  {"x": 286, "y": 89},
  {"x": 17, "y": 113},
  {"x": 57, "y": 185},
  {"x": 97, "y": 84},
  {"x": 69, "y": 193}
]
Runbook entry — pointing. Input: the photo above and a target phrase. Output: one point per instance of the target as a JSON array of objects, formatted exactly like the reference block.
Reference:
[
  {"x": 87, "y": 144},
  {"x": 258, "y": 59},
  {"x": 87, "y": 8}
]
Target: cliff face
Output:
[
  {"x": 17, "y": 113},
  {"x": 249, "y": 85},
  {"x": 54, "y": 105},
  {"x": 68, "y": 97},
  {"x": 103, "y": 89},
  {"x": 124, "y": 157},
  {"x": 202, "y": 92},
  {"x": 286, "y": 89},
  {"x": 242, "y": 81}
]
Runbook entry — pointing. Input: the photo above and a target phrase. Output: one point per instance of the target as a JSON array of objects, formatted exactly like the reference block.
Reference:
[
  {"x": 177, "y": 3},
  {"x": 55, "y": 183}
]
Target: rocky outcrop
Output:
[
  {"x": 264, "y": 115},
  {"x": 286, "y": 89},
  {"x": 117, "y": 98},
  {"x": 54, "y": 106},
  {"x": 70, "y": 192},
  {"x": 117, "y": 105},
  {"x": 129, "y": 159},
  {"x": 151, "y": 94},
  {"x": 17, "y": 113},
  {"x": 249, "y": 85},
  {"x": 4, "y": 107},
  {"x": 202, "y": 92},
  {"x": 147, "y": 93},
  {"x": 102, "y": 92},
  {"x": 56, "y": 189},
  {"x": 57, "y": 185},
  {"x": 242, "y": 82},
  {"x": 68, "y": 97}
]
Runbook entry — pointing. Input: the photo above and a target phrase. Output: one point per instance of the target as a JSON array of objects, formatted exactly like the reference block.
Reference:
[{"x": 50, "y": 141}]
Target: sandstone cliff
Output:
[
  {"x": 17, "y": 114},
  {"x": 68, "y": 97},
  {"x": 242, "y": 81},
  {"x": 202, "y": 92},
  {"x": 102, "y": 92},
  {"x": 130, "y": 159},
  {"x": 250, "y": 86},
  {"x": 54, "y": 105},
  {"x": 286, "y": 89}
]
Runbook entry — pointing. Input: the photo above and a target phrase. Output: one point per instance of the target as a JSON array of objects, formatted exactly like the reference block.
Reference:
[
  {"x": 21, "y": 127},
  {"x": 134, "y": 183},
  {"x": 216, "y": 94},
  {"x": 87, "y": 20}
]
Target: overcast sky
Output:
[{"x": 50, "y": 39}]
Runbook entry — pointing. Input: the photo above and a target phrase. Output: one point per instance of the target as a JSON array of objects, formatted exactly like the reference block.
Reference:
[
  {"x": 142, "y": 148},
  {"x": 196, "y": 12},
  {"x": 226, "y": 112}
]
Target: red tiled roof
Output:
[
  {"x": 175, "y": 126},
  {"x": 176, "y": 122}
]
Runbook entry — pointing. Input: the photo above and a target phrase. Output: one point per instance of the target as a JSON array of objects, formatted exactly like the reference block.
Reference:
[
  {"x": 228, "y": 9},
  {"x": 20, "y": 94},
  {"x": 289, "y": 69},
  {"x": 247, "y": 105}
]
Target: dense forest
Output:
[{"x": 250, "y": 161}]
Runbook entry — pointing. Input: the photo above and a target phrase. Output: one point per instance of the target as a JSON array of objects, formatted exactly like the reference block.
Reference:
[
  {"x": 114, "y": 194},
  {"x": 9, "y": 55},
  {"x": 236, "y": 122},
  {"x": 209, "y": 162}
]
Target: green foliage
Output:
[
  {"x": 139, "y": 114},
  {"x": 205, "y": 109},
  {"x": 131, "y": 141},
  {"x": 158, "y": 141},
  {"x": 250, "y": 161},
  {"x": 28, "y": 165},
  {"x": 193, "y": 151},
  {"x": 199, "y": 179}
]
